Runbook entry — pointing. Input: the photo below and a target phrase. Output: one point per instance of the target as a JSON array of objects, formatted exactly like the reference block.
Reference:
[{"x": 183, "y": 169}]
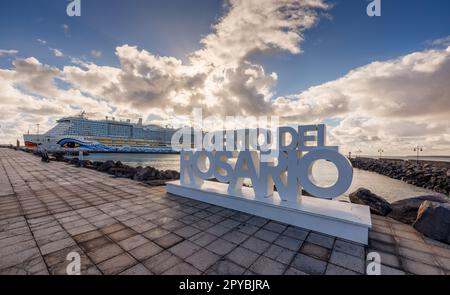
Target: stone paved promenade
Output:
[{"x": 119, "y": 226}]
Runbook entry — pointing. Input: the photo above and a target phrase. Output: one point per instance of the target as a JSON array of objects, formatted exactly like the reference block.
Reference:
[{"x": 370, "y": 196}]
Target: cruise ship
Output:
[{"x": 79, "y": 133}]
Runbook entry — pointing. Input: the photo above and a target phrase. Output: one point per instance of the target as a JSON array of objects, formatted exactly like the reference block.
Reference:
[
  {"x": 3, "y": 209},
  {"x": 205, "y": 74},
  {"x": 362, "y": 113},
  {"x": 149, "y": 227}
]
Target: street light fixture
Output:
[
  {"x": 418, "y": 149},
  {"x": 381, "y": 151}
]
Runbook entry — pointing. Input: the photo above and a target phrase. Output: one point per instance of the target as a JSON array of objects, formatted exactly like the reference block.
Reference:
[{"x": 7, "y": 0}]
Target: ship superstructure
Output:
[{"x": 109, "y": 135}]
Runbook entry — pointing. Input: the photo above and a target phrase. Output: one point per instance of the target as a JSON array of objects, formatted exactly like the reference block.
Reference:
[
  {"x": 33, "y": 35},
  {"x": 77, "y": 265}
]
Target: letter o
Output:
[
  {"x": 199, "y": 163},
  {"x": 344, "y": 169}
]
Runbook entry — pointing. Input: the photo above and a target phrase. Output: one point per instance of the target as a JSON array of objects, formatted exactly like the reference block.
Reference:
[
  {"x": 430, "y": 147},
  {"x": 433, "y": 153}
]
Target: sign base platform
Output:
[{"x": 339, "y": 219}]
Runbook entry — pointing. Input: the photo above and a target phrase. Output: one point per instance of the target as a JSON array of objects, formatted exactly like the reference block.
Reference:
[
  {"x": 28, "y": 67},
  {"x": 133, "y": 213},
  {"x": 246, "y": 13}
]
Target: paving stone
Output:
[
  {"x": 161, "y": 262},
  {"x": 266, "y": 235},
  {"x": 309, "y": 265},
  {"x": 221, "y": 247},
  {"x": 145, "y": 251},
  {"x": 296, "y": 233},
  {"x": 86, "y": 265},
  {"x": 337, "y": 270},
  {"x": 60, "y": 256},
  {"x": 203, "y": 259},
  {"x": 35, "y": 266},
  {"x": 289, "y": 243},
  {"x": 57, "y": 245},
  {"x": 258, "y": 221},
  {"x": 280, "y": 254},
  {"x": 316, "y": 251},
  {"x": 113, "y": 228},
  {"x": 137, "y": 270},
  {"x": 387, "y": 259},
  {"x": 256, "y": 245},
  {"x": 242, "y": 257},
  {"x": 380, "y": 246},
  {"x": 413, "y": 245},
  {"x": 19, "y": 247},
  {"x": 235, "y": 237},
  {"x": 182, "y": 269},
  {"x": 95, "y": 243},
  {"x": 133, "y": 242},
  {"x": 87, "y": 236},
  {"x": 203, "y": 239},
  {"x": 184, "y": 249},
  {"x": 348, "y": 261},
  {"x": 247, "y": 229},
  {"x": 218, "y": 230},
  {"x": 229, "y": 223},
  {"x": 275, "y": 226},
  {"x": 321, "y": 240},
  {"x": 104, "y": 252},
  {"x": 390, "y": 271},
  {"x": 203, "y": 225},
  {"x": 117, "y": 264},
  {"x": 187, "y": 231},
  {"x": 419, "y": 268},
  {"x": 155, "y": 233},
  {"x": 14, "y": 240},
  {"x": 267, "y": 266},
  {"x": 417, "y": 255},
  {"x": 409, "y": 235},
  {"x": 122, "y": 234},
  {"x": 349, "y": 248},
  {"x": 225, "y": 267},
  {"x": 173, "y": 225},
  {"x": 294, "y": 272},
  {"x": 169, "y": 240},
  {"x": 443, "y": 262}
]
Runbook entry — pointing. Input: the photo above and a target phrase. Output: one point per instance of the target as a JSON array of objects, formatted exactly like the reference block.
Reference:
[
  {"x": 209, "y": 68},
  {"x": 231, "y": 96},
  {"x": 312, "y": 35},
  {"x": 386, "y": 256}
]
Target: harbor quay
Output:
[{"x": 52, "y": 211}]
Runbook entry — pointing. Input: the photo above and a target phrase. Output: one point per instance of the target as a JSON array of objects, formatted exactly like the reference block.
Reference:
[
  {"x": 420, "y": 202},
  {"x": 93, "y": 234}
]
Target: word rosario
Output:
[{"x": 289, "y": 171}]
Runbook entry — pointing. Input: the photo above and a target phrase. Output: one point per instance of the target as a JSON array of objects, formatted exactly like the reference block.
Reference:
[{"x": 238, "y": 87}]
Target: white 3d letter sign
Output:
[
  {"x": 278, "y": 170},
  {"x": 289, "y": 175}
]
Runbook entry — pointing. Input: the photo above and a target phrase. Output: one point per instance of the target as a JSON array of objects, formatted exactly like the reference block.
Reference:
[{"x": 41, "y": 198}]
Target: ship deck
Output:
[{"x": 118, "y": 226}]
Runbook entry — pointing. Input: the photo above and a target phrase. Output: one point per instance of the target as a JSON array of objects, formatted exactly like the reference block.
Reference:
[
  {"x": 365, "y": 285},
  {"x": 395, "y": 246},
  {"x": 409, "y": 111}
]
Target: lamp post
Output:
[
  {"x": 381, "y": 151},
  {"x": 418, "y": 149},
  {"x": 358, "y": 152}
]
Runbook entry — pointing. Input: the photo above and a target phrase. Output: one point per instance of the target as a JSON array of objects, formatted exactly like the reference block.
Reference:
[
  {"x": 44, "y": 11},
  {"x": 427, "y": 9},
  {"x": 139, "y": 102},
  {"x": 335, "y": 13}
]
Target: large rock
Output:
[
  {"x": 406, "y": 210},
  {"x": 433, "y": 220},
  {"x": 377, "y": 204},
  {"x": 144, "y": 174},
  {"x": 106, "y": 166}
]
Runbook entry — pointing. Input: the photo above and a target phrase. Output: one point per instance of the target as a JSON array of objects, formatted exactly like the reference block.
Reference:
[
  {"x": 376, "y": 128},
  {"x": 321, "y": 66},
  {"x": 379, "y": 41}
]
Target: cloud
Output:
[
  {"x": 96, "y": 53},
  {"x": 441, "y": 41},
  {"x": 56, "y": 52},
  {"x": 218, "y": 77},
  {"x": 10, "y": 52},
  {"x": 65, "y": 28},
  {"x": 43, "y": 42},
  {"x": 395, "y": 103},
  {"x": 392, "y": 104}
]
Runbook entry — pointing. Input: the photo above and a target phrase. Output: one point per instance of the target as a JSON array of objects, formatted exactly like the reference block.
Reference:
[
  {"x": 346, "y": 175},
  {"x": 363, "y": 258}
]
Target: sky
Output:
[{"x": 377, "y": 82}]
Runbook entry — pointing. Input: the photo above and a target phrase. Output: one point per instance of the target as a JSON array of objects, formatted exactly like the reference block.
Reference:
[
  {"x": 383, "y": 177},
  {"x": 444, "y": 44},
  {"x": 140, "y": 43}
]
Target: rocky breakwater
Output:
[
  {"x": 148, "y": 175},
  {"x": 429, "y": 215},
  {"x": 423, "y": 174}
]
